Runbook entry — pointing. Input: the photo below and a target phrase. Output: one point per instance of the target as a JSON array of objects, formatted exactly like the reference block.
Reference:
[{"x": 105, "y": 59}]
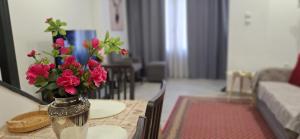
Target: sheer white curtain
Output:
[{"x": 176, "y": 38}]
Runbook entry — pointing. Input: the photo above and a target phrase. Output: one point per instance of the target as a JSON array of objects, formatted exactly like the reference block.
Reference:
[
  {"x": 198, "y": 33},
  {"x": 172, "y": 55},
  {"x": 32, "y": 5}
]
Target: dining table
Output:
[{"x": 127, "y": 119}]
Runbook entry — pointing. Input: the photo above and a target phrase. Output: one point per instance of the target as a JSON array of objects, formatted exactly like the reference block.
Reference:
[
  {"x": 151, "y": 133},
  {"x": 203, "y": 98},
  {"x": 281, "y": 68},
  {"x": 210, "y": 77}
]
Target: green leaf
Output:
[
  {"x": 51, "y": 86},
  {"x": 61, "y": 92},
  {"x": 52, "y": 23},
  {"x": 106, "y": 50},
  {"x": 71, "y": 48},
  {"x": 58, "y": 22},
  {"x": 63, "y": 24},
  {"x": 62, "y": 32},
  {"x": 86, "y": 84},
  {"x": 41, "y": 82},
  {"x": 54, "y": 33},
  {"x": 53, "y": 75},
  {"x": 49, "y": 29},
  {"x": 55, "y": 52},
  {"x": 115, "y": 49},
  {"x": 106, "y": 36}
]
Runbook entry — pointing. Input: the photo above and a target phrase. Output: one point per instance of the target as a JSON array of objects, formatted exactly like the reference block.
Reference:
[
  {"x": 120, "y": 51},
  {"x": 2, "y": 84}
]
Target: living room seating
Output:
[
  {"x": 153, "y": 113},
  {"x": 156, "y": 71},
  {"x": 136, "y": 64},
  {"x": 278, "y": 101}
]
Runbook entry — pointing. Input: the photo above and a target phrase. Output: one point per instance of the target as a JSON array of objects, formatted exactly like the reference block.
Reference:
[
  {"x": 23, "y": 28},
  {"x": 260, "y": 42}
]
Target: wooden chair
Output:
[
  {"x": 153, "y": 113},
  {"x": 140, "y": 128},
  {"x": 120, "y": 81}
]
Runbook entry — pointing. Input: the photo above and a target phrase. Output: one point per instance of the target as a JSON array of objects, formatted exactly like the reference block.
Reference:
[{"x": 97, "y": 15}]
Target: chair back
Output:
[
  {"x": 120, "y": 82},
  {"x": 153, "y": 113},
  {"x": 140, "y": 128}
]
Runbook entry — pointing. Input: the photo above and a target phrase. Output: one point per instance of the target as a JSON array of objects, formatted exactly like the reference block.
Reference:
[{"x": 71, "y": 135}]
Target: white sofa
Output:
[{"x": 279, "y": 102}]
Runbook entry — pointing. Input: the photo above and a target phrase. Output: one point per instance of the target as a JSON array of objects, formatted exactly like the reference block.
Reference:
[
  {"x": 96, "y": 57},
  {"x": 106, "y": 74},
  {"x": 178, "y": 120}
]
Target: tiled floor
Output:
[{"x": 179, "y": 87}]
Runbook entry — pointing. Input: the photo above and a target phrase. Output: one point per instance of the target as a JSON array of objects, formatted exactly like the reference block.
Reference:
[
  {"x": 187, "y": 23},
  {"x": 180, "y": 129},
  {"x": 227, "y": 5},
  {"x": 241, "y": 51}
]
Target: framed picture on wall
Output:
[{"x": 116, "y": 14}]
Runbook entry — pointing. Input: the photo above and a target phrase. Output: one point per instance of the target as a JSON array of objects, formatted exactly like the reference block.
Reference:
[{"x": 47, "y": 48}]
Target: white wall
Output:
[
  {"x": 101, "y": 19},
  {"x": 283, "y": 32},
  {"x": 13, "y": 105},
  {"x": 28, "y": 16},
  {"x": 269, "y": 40},
  {"x": 272, "y": 39}
]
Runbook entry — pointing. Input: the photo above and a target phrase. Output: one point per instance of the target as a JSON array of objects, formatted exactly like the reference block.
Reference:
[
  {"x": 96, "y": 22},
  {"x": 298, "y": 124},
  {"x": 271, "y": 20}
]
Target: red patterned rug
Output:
[{"x": 215, "y": 118}]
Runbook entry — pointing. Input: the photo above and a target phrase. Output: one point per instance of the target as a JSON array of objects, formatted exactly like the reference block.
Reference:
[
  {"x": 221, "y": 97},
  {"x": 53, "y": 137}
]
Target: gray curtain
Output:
[
  {"x": 207, "y": 38},
  {"x": 146, "y": 29}
]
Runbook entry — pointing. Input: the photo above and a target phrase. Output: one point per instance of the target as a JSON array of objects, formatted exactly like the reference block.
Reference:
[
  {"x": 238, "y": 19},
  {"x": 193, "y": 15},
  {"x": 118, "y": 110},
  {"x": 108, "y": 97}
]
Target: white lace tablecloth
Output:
[{"x": 127, "y": 119}]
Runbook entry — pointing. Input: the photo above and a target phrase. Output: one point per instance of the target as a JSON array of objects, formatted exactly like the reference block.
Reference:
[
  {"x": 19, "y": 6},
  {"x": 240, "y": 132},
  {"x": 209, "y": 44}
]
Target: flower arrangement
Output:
[{"x": 69, "y": 77}]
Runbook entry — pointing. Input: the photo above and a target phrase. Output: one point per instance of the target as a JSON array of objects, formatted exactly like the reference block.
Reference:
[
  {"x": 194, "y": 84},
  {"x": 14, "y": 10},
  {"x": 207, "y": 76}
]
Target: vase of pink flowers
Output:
[{"x": 68, "y": 80}]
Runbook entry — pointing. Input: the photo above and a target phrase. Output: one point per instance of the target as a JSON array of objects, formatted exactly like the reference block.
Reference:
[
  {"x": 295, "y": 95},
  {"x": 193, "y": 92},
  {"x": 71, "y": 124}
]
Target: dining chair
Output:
[
  {"x": 120, "y": 83},
  {"x": 140, "y": 128},
  {"x": 153, "y": 113}
]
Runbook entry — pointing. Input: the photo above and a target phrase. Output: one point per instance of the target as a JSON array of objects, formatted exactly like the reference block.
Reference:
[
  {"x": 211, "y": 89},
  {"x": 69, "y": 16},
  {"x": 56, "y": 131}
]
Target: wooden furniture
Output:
[
  {"x": 140, "y": 128},
  {"x": 242, "y": 76},
  {"x": 28, "y": 122},
  {"x": 156, "y": 71},
  {"x": 126, "y": 119},
  {"x": 120, "y": 81},
  {"x": 153, "y": 113}
]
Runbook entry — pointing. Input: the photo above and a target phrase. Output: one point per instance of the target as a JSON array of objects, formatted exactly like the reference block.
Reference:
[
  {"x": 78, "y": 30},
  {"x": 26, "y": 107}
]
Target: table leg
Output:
[
  {"x": 253, "y": 96},
  {"x": 230, "y": 92},
  {"x": 241, "y": 84}
]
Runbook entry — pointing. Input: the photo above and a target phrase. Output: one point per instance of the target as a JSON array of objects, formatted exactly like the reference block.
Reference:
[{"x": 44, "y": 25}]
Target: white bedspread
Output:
[{"x": 283, "y": 100}]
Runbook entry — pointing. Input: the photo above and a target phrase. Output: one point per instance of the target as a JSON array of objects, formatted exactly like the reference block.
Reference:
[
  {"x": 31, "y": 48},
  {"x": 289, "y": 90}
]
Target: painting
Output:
[{"x": 117, "y": 14}]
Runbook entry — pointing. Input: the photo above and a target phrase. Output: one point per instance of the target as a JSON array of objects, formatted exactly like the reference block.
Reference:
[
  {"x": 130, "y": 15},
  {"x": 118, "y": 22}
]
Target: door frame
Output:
[{"x": 8, "y": 62}]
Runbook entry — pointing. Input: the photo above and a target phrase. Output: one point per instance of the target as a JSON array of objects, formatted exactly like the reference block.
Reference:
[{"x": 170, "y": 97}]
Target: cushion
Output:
[
  {"x": 295, "y": 76},
  {"x": 282, "y": 99}
]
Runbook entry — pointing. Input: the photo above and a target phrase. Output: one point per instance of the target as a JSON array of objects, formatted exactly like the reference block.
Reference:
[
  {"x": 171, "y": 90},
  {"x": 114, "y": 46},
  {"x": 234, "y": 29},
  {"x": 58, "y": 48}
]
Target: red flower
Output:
[
  {"x": 32, "y": 53},
  {"x": 60, "y": 42},
  {"x": 71, "y": 63},
  {"x": 37, "y": 70},
  {"x": 52, "y": 66},
  {"x": 95, "y": 43},
  {"x": 98, "y": 75},
  {"x": 64, "y": 50},
  {"x": 92, "y": 64},
  {"x": 124, "y": 52},
  {"x": 81, "y": 71},
  {"x": 68, "y": 81}
]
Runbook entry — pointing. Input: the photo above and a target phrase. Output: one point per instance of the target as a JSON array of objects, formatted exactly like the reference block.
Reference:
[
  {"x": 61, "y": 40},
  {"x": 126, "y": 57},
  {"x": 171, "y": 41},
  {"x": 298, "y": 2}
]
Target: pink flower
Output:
[
  {"x": 68, "y": 81},
  {"x": 60, "y": 42},
  {"x": 98, "y": 75},
  {"x": 92, "y": 64},
  {"x": 32, "y": 53},
  {"x": 52, "y": 66},
  {"x": 64, "y": 50},
  {"x": 37, "y": 70},
  {"x": 81, "y": 71},
  {"x": 124, "y": 52},
  {"x": 95, "y": 43},
  {"x": 71, "y": 63}
]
